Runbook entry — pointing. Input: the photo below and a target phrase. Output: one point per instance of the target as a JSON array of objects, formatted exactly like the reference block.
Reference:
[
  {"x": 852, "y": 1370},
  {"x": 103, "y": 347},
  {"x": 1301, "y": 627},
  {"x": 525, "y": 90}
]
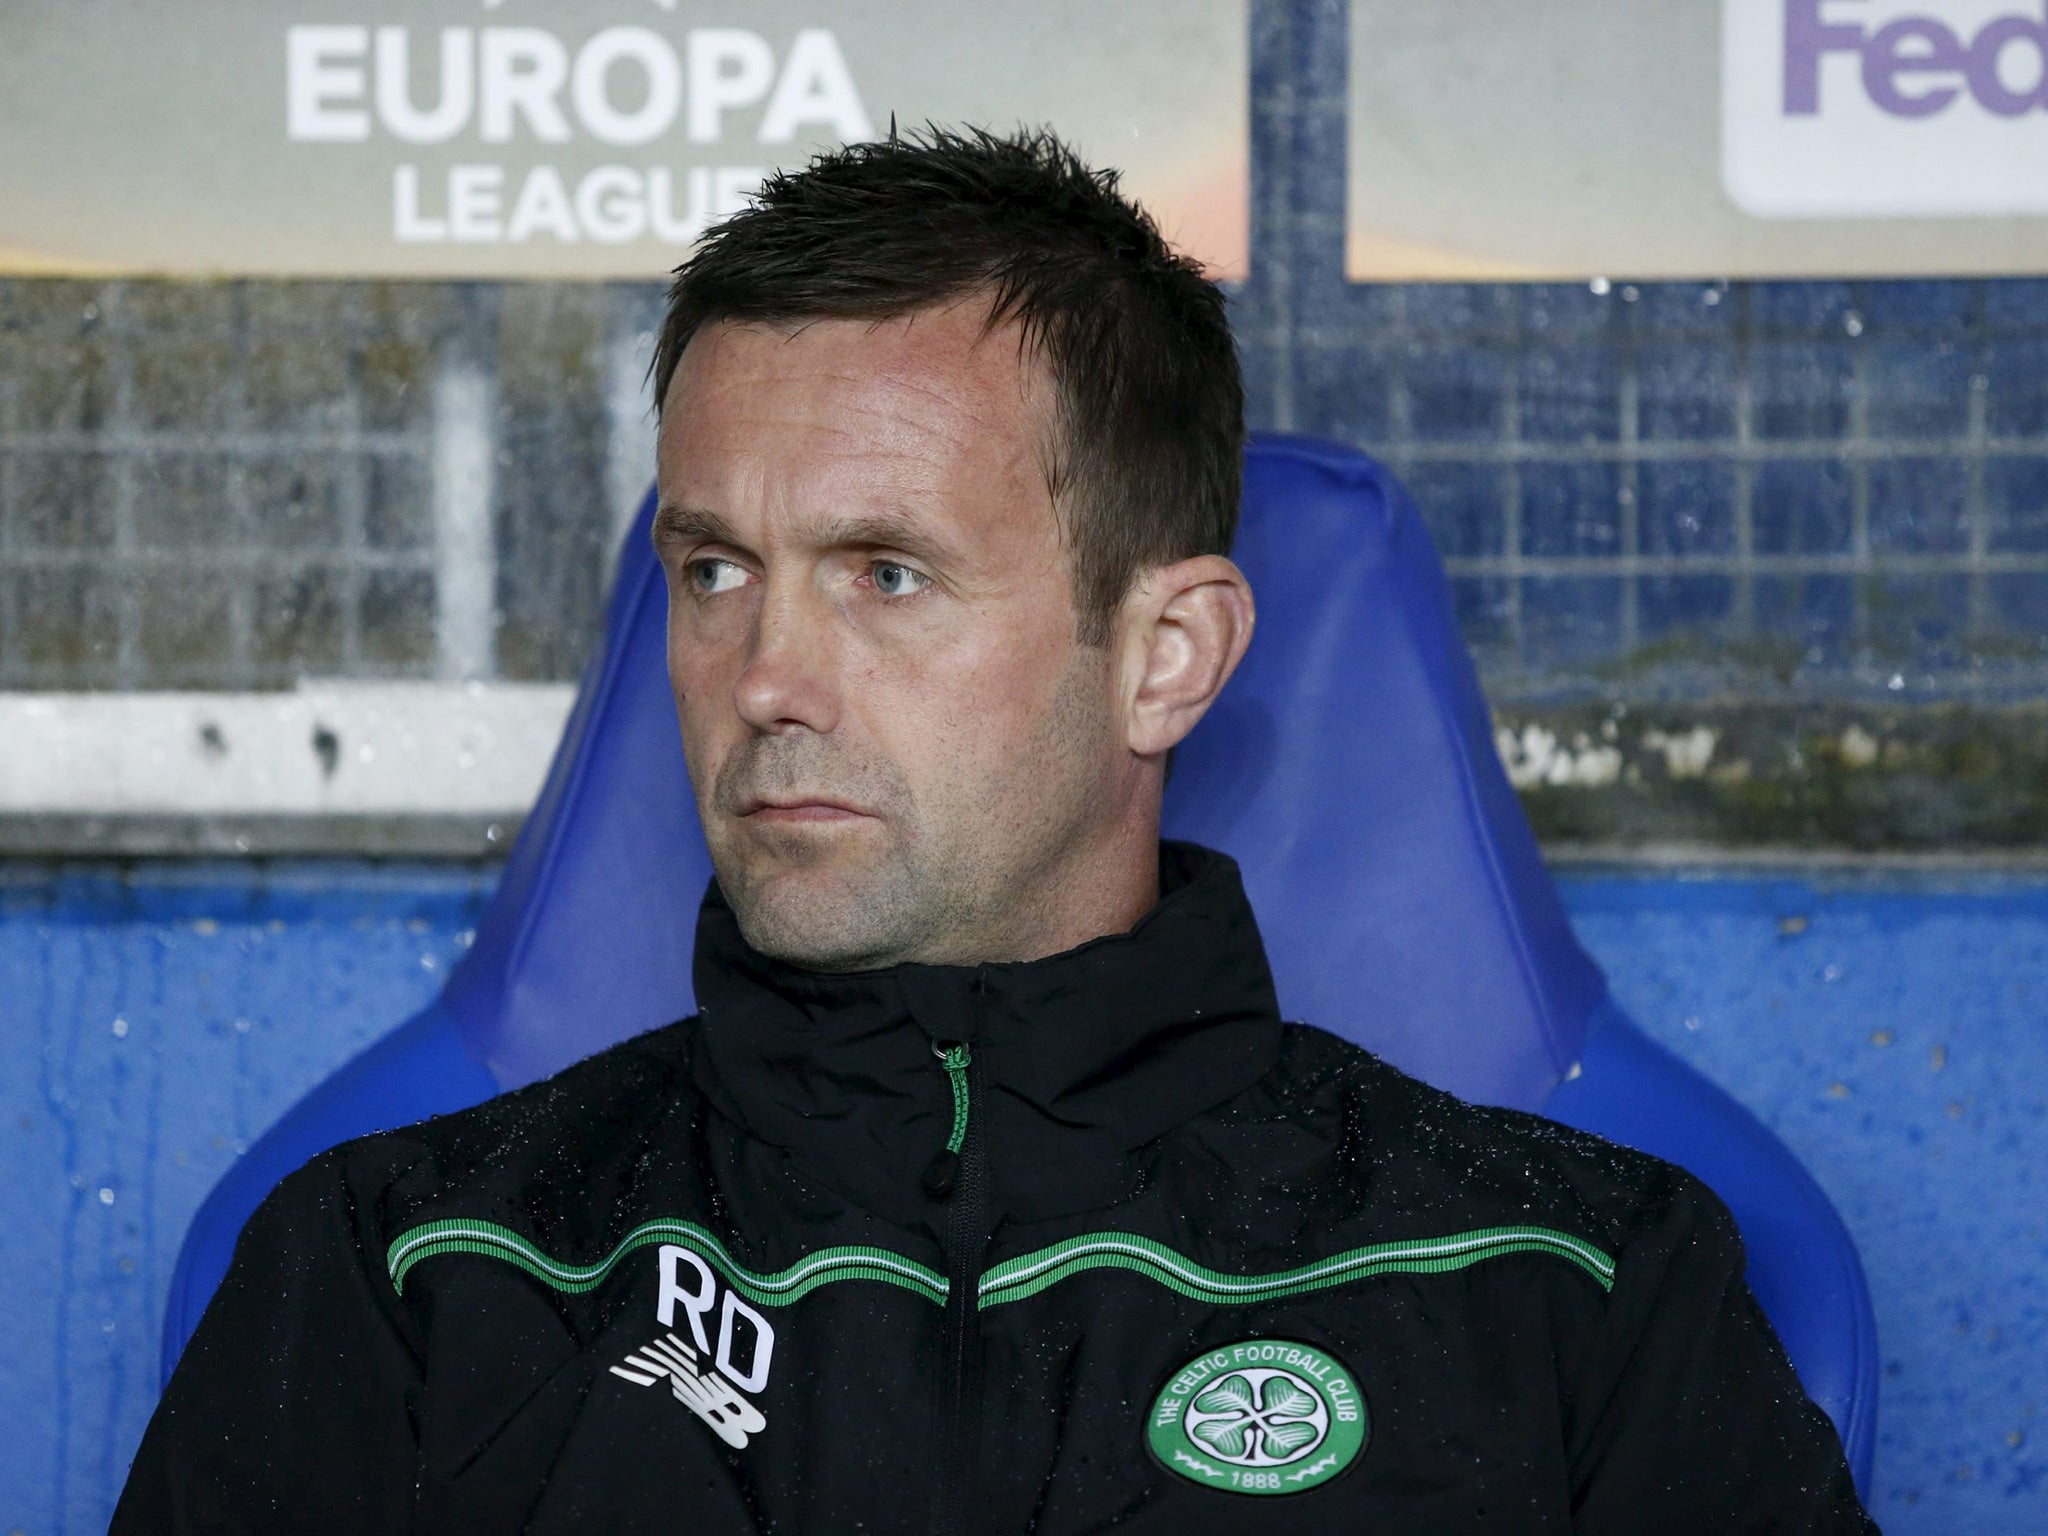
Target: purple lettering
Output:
[
  {"x": 1886, "y": 62},
  {"x": 1807, "y": 37},
  {"x": 1988, "y": 86},
  {"x": 1916, "y": 66}
]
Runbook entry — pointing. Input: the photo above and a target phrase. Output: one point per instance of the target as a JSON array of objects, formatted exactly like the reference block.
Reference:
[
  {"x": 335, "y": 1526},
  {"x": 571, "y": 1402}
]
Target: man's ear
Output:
[{"x": 1184, "y": 628}]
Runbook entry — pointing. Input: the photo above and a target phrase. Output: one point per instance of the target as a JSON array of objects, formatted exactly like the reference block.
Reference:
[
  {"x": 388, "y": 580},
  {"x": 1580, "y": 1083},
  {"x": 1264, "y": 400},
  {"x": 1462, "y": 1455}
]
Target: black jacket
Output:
[{"x": 1095, "y": 1242}]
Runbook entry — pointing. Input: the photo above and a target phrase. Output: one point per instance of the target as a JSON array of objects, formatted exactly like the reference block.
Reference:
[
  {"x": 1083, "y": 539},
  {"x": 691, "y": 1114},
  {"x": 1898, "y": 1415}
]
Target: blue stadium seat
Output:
[{"x": 1351, "y": 771}]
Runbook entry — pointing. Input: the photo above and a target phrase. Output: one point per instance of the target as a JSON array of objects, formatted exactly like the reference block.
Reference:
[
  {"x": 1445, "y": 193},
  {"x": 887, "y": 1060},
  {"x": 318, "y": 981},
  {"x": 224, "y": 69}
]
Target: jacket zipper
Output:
[
  {"x": 943, "y": 1172},
  {"x": 958, "y": 1174}
]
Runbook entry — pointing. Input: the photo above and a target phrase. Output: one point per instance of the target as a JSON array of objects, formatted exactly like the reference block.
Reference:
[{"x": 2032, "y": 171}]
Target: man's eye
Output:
[
  {"x": 709, "y": 576},
  {"x": 893, "y": 580}
]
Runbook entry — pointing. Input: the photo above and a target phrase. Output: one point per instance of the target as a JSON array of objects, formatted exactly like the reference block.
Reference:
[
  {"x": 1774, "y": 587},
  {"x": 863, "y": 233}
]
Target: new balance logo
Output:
[{"x": 698, "y": 1387}]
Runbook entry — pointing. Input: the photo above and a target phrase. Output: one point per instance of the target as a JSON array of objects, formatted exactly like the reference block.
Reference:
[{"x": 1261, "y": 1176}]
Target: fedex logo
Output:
[
  {"x": 1917, "y": 65},
  {"x": 1885, "y": 108}
]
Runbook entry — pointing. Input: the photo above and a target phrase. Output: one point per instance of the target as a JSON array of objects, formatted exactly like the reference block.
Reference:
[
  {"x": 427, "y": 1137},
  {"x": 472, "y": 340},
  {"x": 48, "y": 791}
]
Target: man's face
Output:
[{"x": 898, "y": 747}]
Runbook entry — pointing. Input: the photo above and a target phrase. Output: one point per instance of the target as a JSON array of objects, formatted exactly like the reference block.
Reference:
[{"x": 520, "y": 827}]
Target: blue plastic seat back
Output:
[{"x": 1349, "y": 767}]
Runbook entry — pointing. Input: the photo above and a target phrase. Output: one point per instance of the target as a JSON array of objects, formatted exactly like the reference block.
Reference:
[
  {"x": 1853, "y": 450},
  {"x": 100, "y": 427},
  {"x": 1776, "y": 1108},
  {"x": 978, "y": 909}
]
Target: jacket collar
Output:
[{"x": 1080, "y": 1058}]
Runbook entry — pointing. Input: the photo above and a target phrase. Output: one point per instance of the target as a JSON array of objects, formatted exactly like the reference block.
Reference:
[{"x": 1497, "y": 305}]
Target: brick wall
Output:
[
  {"x": 234, "y": 484},
  {"x": 1816, "y": 485}
]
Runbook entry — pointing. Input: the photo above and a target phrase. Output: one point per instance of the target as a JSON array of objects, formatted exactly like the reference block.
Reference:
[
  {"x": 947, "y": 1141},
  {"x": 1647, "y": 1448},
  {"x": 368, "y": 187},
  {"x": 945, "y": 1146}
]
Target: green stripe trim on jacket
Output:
[
  {"x": 1014, "y": 1279},
  {"x": 1018, "y": 1278},
  {"x": 824, "y": 1267}
]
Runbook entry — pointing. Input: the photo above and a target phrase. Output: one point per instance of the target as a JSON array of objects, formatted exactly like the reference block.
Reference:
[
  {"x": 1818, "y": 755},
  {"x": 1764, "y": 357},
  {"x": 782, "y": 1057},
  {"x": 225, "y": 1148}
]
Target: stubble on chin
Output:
[
  {"x": 828, "y": 914},
  {"x": 830, "y": 898}
]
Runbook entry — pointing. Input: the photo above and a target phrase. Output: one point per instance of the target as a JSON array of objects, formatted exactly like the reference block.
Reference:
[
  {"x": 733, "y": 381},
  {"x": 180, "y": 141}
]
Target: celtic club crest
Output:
[{"x": 1266, "y": 1416}]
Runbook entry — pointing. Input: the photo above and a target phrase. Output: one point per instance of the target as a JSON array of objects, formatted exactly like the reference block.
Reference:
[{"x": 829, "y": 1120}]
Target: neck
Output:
[
  {"x": 1111, "y": 883},
  {"x": 1100, "y": 882}
]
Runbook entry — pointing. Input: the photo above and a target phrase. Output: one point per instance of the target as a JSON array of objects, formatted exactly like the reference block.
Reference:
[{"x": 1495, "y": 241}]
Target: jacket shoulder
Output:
[
  {"x": 511, "y": 1148},
  {"x": 1425, "y": 1154}
]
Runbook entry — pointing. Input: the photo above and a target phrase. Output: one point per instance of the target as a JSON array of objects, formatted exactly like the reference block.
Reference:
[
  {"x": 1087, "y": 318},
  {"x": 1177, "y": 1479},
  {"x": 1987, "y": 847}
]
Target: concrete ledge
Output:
[
  {"x": 399, "y": 770},
  {"x": 173, "y": 836},
  {"x": 1734, "y": 861},
  {"x": 466, "y": 750},
  {"x": 1811, "y": 777},
  {"x": 437, "y": 770}
]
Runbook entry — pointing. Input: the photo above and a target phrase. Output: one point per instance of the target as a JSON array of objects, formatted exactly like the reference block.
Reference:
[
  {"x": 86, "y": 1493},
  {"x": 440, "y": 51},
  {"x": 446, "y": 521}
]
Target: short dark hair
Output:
[{"x": 1148, "y": 463}]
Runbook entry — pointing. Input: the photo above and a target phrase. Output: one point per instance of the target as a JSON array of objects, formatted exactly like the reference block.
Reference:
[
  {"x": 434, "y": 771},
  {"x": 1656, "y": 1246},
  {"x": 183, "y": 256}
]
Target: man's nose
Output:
[{"x": 791, "y": 676}]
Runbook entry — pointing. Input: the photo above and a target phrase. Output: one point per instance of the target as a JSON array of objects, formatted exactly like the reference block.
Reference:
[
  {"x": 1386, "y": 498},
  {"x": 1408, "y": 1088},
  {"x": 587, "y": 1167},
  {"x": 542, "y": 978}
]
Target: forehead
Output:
[{"x": 928, "y": 398}]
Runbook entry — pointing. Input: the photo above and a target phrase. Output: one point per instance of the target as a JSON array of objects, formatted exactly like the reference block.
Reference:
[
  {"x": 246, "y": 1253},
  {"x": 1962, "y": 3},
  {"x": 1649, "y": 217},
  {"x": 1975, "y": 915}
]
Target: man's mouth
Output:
[{"x": 800, "y": 809}]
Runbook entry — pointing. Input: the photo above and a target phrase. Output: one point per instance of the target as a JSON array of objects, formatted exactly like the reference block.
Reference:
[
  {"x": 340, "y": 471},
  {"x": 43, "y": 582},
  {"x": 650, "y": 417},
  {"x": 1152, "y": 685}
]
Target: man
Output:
[{"x": 988, "y": 1192}]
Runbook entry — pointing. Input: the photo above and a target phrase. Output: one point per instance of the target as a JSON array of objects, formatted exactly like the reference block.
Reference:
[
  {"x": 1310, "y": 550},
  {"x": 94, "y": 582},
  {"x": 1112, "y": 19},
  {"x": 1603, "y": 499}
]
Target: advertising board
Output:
[
  {"x": 1744, "y": 138},
  {"x": 507, "y": 138}
]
